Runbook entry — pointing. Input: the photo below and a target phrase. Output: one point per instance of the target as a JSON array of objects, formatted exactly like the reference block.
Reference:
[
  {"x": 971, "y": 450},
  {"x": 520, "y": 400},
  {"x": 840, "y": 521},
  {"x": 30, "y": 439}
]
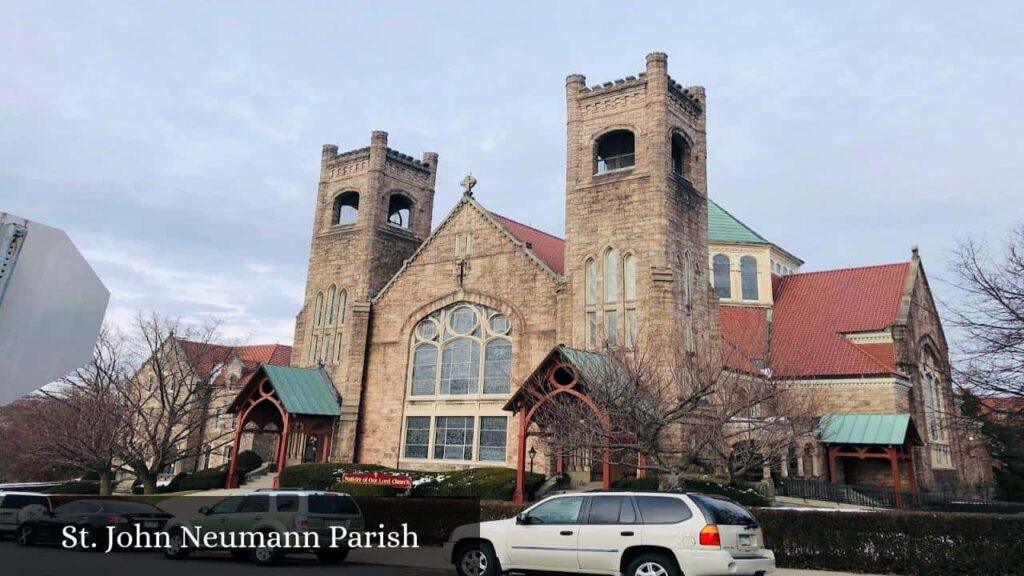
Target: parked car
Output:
[
  {"x": 16, "y": 507},
  {"x": 96, "y": 516},
  {"x": 278, "y": 511},
  {"x": 634, "y": 534}
]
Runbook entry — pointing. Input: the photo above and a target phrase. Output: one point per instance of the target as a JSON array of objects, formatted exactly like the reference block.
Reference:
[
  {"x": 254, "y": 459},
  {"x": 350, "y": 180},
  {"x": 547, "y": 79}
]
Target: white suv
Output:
[{"x": 635, "y": 534}]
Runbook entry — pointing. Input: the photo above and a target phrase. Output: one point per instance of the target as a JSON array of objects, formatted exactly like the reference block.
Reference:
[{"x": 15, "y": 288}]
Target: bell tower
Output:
[
  {"x": 636, "y": 210},
  {"x": 373, "y": 210}
]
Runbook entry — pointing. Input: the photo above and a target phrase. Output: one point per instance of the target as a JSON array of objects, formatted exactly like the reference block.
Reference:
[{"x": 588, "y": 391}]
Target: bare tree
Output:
[
  {"x": 20, "y": 459},
  {"x": 169, "y": 394},
  {"x": 86, "y": 415},
  {"x": 679, "y": 410},
  {"x": 990, "y": 313}
]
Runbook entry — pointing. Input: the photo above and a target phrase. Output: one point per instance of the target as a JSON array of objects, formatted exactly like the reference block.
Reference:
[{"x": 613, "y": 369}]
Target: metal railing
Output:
[{"x": 881, "y": 497}]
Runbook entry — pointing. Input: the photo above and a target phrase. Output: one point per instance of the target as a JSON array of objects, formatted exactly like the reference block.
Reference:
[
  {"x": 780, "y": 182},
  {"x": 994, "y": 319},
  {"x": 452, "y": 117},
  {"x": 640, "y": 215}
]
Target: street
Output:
[{"x": 51, "y": 561}]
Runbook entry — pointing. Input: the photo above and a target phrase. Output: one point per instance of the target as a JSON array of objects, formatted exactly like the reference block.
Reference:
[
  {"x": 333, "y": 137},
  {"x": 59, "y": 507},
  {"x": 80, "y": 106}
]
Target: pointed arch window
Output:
[
  {"x": 721, "y": 273},
  {"x": 615, "y": 150},
  {"x": 748, "y": 277},
  {"x": 318, "y": 310},
  {"x": 346, "y": 208},
  {"x": 330, "y": 304},
  {"x": 342, "y": 301},
  {"x": 688, "y": 299},
  {"x": 629, "y": 295},
  {"x": 591, "y": 281},
  {"x": 611, "y": 276}
]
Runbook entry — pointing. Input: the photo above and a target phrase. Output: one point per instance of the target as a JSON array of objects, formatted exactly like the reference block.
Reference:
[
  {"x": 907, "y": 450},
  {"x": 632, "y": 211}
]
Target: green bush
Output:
[
  {"x": 74, "y": 487},
  {"x": 494, "y": 483},
  {"x": 741, "y": 492},
  {"x": 209, "y": 479},
  {"x": 908, "y": 543},
  {"x": 248, "y": 461}
]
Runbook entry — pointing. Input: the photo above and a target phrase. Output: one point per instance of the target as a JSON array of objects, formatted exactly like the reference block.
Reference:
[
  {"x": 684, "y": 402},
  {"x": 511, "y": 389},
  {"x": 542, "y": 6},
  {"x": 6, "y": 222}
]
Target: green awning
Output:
[
  {"x": 861, "y": 429},
  {"x": 303, "y": 390}
]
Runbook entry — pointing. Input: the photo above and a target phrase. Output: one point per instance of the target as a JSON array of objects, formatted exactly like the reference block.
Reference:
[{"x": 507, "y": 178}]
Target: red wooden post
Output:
[
  {"x": 282, "y": 454},
  {"x": 641, "y": 466},
  {"x": 895, "y": 460},
  {"x": 833, "y": 473},
  {"x": 560, "y": 464},
  {"x": 606, "y": 467},
  {"x": 913, "y": 475},
  {"x": 520, "y": 493}
]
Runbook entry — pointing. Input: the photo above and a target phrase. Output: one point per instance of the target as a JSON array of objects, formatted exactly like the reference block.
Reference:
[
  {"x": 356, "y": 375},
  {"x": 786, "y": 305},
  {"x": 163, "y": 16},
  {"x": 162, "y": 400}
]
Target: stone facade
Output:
[{"x": 377, "y": 276}]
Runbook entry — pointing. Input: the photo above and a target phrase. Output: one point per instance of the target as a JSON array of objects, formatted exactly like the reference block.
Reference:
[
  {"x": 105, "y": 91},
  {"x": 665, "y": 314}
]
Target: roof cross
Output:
[{"x": 468, "y": 183}]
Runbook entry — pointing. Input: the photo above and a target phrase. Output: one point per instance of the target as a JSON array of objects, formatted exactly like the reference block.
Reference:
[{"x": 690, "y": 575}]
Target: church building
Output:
[{"x": 425, "y": 332}]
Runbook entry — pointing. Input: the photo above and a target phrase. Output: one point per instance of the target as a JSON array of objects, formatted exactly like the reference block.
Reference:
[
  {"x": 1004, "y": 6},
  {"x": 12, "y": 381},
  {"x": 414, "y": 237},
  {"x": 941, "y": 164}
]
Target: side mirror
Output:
[
  {"x": 205, "y": 510},
  {"x": 522, "y": 518}
]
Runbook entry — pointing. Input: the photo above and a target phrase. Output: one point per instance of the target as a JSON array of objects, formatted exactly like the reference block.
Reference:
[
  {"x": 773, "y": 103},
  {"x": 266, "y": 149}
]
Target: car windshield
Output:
[{"x": 724, "y": 511}]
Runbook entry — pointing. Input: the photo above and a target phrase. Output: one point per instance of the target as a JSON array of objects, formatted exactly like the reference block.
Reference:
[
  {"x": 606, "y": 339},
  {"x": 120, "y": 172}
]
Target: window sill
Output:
[{"x": 615, "y": 172}]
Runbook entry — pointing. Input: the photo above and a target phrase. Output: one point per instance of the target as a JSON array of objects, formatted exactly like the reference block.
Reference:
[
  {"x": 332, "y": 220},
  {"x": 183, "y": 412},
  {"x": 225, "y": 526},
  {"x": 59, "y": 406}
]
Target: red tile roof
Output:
[
  {"x": 549, "y": 248},
  {"x": 208, "y": 356},
  {"x": 812, "y": 312}
]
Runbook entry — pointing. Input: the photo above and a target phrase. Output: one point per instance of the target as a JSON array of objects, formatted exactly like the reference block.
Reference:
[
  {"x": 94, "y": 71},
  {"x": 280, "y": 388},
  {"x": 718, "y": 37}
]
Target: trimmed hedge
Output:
[
  {"x": 480, "y": 483},
  {"x": 908, "y": 543},
  {"x": 248, "y": 461},
  {"x": 741, "y": 492},
  {"x": 209, "y": 479},
  {"x": 492, "y": 483},
  {"x": 74, "y": 487}
]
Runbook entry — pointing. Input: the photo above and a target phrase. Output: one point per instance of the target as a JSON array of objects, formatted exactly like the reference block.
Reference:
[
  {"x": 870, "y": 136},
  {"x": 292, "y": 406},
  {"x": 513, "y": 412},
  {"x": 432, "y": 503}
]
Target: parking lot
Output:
[{"x": 49, "y": 561}]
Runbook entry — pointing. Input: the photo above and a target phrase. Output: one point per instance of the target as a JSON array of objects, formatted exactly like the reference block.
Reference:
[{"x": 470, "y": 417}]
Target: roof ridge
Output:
[
  {"x": 535, "y": 229},
  {"x": 849, "y": 269}
]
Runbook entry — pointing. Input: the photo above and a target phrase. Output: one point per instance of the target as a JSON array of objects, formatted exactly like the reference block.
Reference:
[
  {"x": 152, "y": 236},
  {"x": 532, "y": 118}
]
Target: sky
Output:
[{"x": 179, "y": 143}]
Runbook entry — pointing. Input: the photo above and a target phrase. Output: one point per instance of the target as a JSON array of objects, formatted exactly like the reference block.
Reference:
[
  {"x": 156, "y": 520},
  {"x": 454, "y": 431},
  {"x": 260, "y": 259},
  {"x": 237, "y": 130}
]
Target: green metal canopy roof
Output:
[
  {"x": 304, "y": 390},
  {"x": 724, "y": 227},
  {"x": 887, "y": 429}
]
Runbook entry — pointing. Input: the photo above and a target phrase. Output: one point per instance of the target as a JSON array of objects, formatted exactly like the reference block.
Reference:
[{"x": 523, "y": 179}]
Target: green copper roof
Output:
[
  {"x": 304, "y": 390},
  {"x": 724, "y": 227},
  {"x": 889, "y": 429}
]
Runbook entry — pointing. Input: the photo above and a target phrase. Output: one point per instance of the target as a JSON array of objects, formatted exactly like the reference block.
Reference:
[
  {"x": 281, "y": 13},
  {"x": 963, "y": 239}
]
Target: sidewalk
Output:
[{"x": 431, "y": 558}]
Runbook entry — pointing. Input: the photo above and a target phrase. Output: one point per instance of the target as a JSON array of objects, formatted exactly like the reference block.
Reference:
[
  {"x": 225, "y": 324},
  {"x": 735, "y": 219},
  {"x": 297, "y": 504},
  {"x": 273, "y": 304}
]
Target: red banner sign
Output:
[{"x": 400, "y": 481}]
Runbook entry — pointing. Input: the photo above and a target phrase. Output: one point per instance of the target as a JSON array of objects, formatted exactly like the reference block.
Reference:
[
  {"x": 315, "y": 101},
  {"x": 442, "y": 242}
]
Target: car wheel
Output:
[
  {"x": 25, "y": 535},
  {"x": 477, "y": 559},
  {"x": 332, "y": 555},
  {"x": 652, "y": 565},
  {"x": 267, "y": 555},
  {"x": 176, "y": 549}
]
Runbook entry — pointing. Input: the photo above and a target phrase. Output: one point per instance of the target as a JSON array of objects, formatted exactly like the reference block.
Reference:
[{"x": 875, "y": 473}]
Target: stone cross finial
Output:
[{"x": 468, "y": 182}]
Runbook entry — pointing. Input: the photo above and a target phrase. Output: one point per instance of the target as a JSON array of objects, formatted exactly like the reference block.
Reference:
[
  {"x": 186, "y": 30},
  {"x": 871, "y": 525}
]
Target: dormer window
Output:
[
  {"x": 680, "y": 156},
  {"x": 346, "y": 208},
  {"x": 399, "y": 209},
  {"x": 615, "y": 150}
]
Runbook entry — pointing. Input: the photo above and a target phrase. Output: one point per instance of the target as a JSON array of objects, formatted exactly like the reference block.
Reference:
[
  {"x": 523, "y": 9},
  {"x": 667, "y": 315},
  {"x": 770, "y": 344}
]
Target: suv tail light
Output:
[
  {"x": 301, "y": 521},
  {"x": 115, "y": 519},
  {"x": 709, "y": 536}
]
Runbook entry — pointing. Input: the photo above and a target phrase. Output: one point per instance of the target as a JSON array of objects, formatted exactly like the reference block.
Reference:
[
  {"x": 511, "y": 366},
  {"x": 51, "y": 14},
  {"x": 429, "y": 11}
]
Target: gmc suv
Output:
[{"x": 635, "y": 534}]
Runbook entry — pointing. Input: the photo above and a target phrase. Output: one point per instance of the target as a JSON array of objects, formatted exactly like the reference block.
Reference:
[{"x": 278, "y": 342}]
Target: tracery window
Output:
[
  {"x": 934, "y": 413},
  {"x": 462, "y": 349}
]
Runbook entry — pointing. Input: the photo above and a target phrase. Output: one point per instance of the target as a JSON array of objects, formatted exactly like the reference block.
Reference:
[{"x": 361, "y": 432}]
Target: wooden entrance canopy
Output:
[
  {"x": 299, "y": 401},
  {"x": 563, "y": 372},
  {"x": 881, "y": 436}
]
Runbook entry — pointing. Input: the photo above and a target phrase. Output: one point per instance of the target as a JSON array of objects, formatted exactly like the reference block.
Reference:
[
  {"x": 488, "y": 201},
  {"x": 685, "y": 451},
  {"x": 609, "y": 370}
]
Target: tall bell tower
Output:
[
  {"x": 373, "y": 210},
  {"x": 636, "y": 211}
]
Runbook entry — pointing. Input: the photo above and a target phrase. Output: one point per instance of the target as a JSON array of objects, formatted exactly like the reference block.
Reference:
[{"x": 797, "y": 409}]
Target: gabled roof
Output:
[
  {"x": 724, "y": 227},
  {"x": 812, "y": 312},
  {"x": 549, "y": 248},
  {"x": 300, "y": 390},
  {"x": 862, "y": 429},
  {"x": 209, "y": 357}
]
